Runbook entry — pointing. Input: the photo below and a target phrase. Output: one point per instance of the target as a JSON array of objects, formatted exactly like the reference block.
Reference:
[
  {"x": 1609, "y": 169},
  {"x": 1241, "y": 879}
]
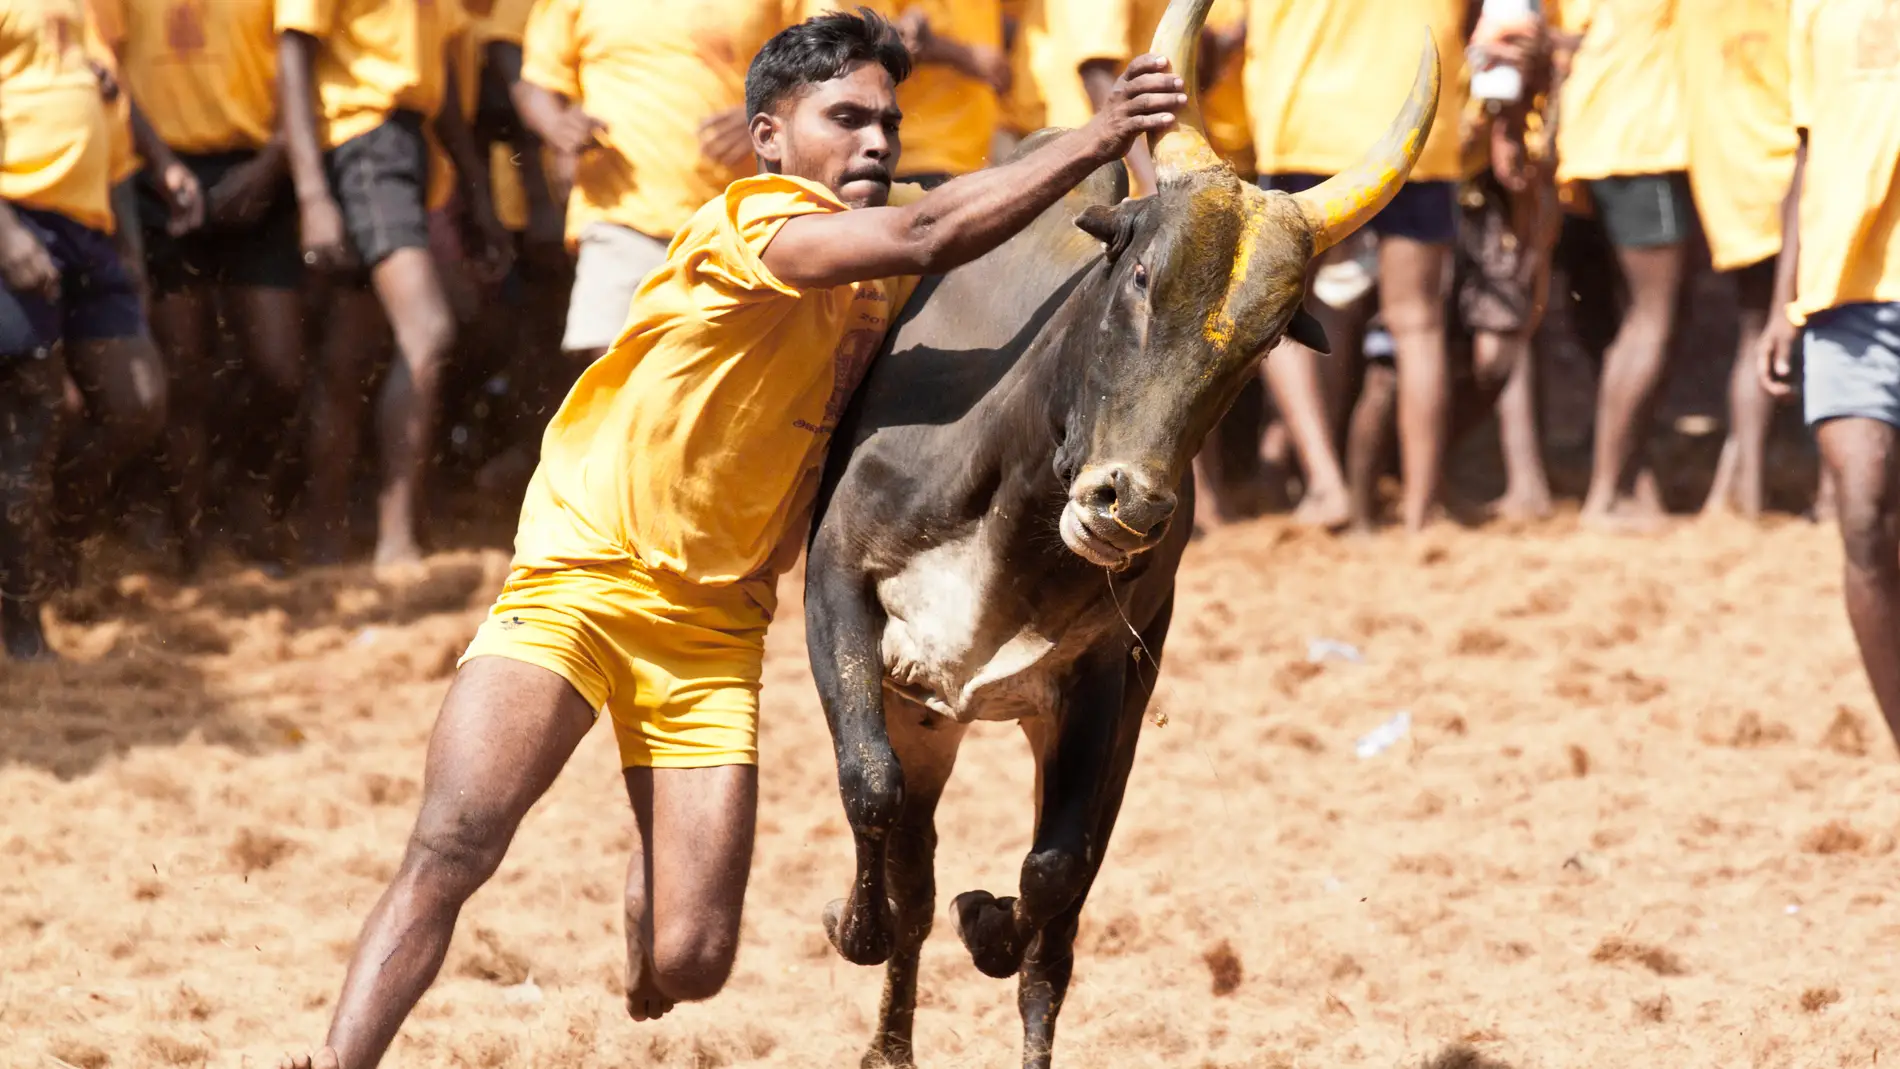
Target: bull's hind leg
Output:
[{"x": 927, "y": 748}]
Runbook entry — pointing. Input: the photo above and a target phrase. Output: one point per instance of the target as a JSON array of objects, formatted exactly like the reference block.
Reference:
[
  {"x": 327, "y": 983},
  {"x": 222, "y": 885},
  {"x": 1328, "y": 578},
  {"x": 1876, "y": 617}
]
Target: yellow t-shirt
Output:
[
  {"x": 652, "y": 70},
  {"x": 949, "y": 117},
  {"x": 1621, "y": 108},
  {"x": 1224, "y": 104},
  {"x": 507, "y": 20},
  {"x": 1057, "y": 37},
  {"x": 374, "y": 57},
  {"x": 1844, "y": 89},
  {"x": 1741, "y": 139},
  {"x": 1323, "y": 81},
  {"x": 204, "y": 72},
  {"x": 1022, "y": 108},
  {"x": 55, "y": 147},
  {"x": 694, "y": 445}
]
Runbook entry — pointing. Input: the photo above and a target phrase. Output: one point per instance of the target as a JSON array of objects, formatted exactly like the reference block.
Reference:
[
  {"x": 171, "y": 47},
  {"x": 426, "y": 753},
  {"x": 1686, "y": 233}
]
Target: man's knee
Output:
[
  {"x": 693, "y": 959},
  {"x": 133, "y": 395},
  {"x": 457, "y": 852},
  {"x": 417, "y": 304},
  {"x": 1412, "y": 313},
  {"x": 1867, "y": 530}
]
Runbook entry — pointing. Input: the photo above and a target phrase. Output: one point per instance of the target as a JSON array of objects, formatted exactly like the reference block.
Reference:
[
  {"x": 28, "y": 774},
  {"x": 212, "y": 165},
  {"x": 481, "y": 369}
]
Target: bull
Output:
[{"x": 993, "y": 537}]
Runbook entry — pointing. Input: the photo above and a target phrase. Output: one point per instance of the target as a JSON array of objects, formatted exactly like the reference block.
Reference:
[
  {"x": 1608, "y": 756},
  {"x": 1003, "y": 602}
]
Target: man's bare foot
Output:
[
  {"x": 322, "y": 1059},
  {"x": 397, "y": 553},
  {"x": 1520, "y": 506},
  {"x": 1327, "y": 508}
]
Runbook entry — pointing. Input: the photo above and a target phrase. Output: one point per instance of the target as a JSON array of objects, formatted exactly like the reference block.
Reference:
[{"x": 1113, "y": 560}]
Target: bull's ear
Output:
[
  {"x": 1100, "y": 222},
  {"x": 1307, "y": 331},
  {"x": 1112, "y": 226}
]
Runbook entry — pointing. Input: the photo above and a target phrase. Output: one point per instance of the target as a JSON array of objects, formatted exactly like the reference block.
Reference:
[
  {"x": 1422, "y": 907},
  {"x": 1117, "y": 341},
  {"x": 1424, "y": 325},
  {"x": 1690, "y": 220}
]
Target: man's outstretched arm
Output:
[{"x": 968, "y": 216}]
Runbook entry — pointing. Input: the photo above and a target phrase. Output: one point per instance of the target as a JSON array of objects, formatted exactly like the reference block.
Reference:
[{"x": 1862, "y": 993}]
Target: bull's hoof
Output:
[
  {"x": 987, "y": 925},
  {"x": 861, "y": 937}
]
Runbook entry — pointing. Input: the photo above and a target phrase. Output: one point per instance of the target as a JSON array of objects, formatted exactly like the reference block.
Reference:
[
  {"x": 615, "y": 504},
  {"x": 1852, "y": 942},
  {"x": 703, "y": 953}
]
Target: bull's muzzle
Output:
[{"x": 1114, "y": 512}]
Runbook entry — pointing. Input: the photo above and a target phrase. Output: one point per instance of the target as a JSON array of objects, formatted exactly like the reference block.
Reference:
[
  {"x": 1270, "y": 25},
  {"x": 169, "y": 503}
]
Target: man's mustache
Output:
[{"x": 875, "y": 173}]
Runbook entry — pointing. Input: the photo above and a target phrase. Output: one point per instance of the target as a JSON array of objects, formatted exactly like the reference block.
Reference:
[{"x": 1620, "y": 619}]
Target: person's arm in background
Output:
[
  {"x": 1220, "y": 46},
  {"x": 325, "y": 245},
  {"x": 25, "y": 265},
  {"x": 451, "y": 129},
  {"x": 544, "y": 212},
  {"x": 980, "y": 62},
  {"x": 563, "y": 125},
  {"x": 173, "y": 179},
  {"x": 547, "y": 95},
  {"x": 1776, "y": 353},
  {"x": 968, "y": 216}
]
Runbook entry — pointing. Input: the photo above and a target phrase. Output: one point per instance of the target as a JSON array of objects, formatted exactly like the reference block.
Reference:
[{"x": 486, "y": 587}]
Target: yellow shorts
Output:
[{"x": 676, "y": 664}]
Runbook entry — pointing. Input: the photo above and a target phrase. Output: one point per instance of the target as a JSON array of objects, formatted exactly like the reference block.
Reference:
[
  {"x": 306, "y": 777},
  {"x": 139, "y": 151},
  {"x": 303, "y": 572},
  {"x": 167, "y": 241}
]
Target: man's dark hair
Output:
[{"x": 818, "y": 50}]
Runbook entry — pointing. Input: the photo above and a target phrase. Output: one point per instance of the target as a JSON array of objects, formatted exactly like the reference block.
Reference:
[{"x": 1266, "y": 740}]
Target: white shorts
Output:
[{"x": 613, "y": 261}]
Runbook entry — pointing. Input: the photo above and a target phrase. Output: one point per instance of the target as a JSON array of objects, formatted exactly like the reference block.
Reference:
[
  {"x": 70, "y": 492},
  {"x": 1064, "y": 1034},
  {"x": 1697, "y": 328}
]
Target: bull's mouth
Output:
[{"x": 1099, "y": 540}]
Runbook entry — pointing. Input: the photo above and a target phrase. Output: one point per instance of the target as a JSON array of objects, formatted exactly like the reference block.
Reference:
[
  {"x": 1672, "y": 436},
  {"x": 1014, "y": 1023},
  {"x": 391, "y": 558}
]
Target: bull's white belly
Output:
[{"x": 945, "y": 645}]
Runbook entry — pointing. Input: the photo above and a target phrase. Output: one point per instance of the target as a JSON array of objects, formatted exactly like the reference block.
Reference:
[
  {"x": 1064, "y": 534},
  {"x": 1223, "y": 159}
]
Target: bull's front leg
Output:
[
  {"x": 1071, "y": 748},
  {"x": 1082, "y": 767},
  {"x": 844, "y": 625}
]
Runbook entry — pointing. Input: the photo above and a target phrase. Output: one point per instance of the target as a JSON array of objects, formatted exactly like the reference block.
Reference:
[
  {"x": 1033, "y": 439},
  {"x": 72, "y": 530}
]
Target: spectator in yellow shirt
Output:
[
  {"x": 642, "y": 103},
  {"x": 676, "y": 483},
  {"x": 1311, "y": 69},
  {"x": 204, "y": 74},
  {"x": 357, "y": 80},
  {"x": 952, "y": 102},
  {"x": 1621, "y": 132},
  {"x": 69, "y": 309},
  {"x": 1741, "y": 152},
  {"x": 1837, "y": 289}
]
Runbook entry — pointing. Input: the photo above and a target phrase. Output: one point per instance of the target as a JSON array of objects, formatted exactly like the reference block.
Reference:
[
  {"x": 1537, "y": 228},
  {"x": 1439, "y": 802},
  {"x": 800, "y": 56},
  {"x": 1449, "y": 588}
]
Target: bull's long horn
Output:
[
  {"x": 1343, "y": 203},
  {"x": 1183, "y": 148}
]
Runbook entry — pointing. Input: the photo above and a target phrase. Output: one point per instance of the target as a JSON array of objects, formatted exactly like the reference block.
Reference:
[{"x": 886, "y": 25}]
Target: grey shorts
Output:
[
  {"x": 613, "y": 261},
  {"x": 1642, "y": 211},
  {"x": 1851, "y": 364}
]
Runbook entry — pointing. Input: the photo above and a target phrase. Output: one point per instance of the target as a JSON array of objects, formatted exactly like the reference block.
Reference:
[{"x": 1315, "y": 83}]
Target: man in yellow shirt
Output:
[
  {"x": 1311, "y": 68},
  {"x": 643, "y": 105},
  {"x": 1741, "y": 152},
  {"x": 69, "y": 308},
  {"x": 1621, "y": 131},
  {"x": 204, "y": 75},
  {"x": 952, "y": 102},
  {"x": 357, "y": 80},
  {"x": 1838, "y": 279},
  {"x": 676, "y": 484}
]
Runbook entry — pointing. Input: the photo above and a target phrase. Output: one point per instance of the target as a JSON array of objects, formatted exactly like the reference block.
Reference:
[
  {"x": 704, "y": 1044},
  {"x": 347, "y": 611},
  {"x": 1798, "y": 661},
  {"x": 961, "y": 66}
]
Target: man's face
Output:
[{"x": 842, "y": 133}]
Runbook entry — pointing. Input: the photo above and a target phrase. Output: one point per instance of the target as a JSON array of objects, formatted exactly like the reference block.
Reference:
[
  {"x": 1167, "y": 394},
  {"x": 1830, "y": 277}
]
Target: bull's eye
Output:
[{"x": 1141, "y": 276}]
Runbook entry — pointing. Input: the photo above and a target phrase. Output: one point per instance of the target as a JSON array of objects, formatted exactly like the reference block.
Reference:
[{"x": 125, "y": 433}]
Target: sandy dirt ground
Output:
[{"x": 1645, "y": 815}]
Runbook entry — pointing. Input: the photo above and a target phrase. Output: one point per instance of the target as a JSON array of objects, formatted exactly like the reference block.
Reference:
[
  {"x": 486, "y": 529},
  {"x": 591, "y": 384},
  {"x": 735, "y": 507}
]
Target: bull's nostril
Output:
[{"x": 1100, "y": 497}]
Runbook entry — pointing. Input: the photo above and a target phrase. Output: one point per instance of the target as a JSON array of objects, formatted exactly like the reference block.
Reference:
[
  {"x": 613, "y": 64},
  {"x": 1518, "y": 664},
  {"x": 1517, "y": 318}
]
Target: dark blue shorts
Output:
[
  {"x": 96, "y": 299},
  {"x": 1422, "y": 211}
]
